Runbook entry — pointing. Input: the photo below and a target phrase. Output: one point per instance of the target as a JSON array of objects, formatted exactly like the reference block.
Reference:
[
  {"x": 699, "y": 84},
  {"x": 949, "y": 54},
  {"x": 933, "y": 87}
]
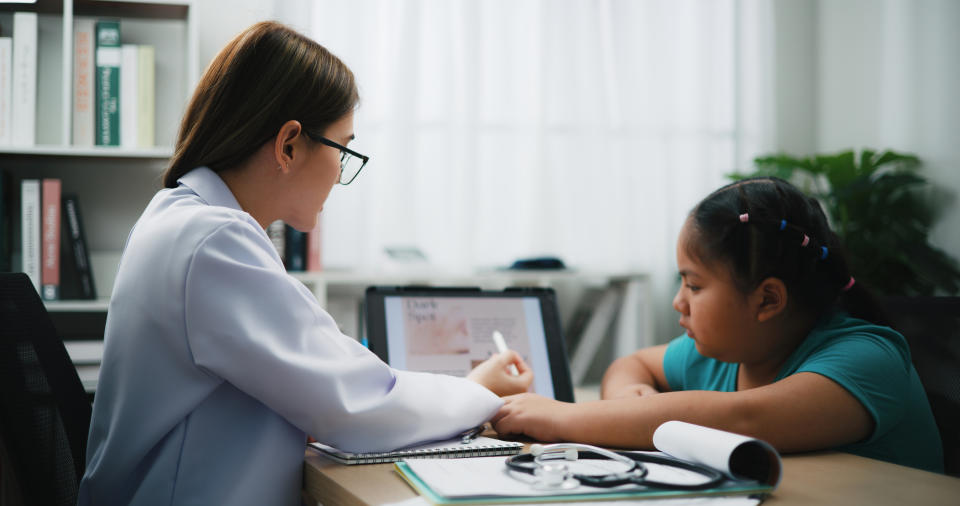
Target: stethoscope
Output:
[{"x": 548, "y": 463}]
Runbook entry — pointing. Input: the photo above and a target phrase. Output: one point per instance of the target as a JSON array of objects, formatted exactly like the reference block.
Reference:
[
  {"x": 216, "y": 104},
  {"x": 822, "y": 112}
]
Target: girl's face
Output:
[
  {"x": 715, "y": 314},
  {"x": 316, "y": 173}
]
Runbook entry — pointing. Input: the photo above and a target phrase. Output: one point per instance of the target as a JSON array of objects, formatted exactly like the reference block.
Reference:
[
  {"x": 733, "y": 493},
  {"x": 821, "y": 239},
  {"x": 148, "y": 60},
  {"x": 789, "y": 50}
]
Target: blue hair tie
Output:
[
  {"x": 823, "y": 254},
  {"x": 783, "y": 224}
]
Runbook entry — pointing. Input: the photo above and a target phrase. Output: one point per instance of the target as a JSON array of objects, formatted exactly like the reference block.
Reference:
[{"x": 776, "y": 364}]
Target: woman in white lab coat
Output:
[{"x": 217, "y": 364}]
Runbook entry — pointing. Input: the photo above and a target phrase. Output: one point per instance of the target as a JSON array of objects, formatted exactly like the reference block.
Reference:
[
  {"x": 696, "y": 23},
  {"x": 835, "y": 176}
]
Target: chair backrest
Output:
[
  {"x": 932, "y": 327},
  {"x": 45, "y": 411}
]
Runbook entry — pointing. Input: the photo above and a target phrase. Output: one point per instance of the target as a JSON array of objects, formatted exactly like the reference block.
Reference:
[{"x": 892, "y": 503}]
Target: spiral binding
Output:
[{"x": 445, "y": 452}]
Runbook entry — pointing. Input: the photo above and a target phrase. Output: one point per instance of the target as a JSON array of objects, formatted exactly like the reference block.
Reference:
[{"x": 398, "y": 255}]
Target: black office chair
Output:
[
  {"x": 932, "y": 327},
  {"x": 45, "y": 411}
]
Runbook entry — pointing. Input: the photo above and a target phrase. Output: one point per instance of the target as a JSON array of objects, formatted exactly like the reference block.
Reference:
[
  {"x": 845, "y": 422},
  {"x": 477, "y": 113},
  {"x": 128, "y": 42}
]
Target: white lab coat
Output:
[{"x": 216, "y": 363}]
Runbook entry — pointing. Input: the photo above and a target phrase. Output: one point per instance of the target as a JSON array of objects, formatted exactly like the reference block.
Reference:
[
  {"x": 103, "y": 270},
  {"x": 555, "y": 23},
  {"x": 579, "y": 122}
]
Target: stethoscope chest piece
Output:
[{"x": 554, "y": 475}]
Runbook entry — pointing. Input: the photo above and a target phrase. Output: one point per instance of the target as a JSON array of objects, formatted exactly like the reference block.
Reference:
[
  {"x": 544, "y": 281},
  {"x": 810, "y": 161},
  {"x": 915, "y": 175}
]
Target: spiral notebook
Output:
[{"x": 450, "y": 449}]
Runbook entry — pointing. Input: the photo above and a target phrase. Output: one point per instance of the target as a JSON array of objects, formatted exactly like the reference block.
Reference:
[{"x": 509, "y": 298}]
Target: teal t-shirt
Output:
[{"x": 870, "y": 361}]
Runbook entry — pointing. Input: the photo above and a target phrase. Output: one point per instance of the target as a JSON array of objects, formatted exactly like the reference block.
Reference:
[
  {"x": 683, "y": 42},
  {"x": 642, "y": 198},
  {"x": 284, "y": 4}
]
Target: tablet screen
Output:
[
  {"x": 452, "y": 335},
  {"x": 450, "y": 331}
]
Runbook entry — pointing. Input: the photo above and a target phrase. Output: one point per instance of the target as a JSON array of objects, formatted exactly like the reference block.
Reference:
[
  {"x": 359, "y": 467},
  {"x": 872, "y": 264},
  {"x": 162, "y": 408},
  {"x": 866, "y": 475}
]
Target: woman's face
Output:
[{"x": 315, "y": 174}]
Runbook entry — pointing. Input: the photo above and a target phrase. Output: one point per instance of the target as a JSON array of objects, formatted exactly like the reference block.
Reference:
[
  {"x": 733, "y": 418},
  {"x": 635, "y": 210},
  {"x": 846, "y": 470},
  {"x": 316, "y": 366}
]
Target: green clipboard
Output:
[{"x": 729, "y": 487}]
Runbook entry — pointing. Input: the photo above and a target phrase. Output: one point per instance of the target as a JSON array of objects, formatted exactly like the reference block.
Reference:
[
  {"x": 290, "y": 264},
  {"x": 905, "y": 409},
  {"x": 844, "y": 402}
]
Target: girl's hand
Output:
[
  {"x": 494, "y": 373},
  {"x": 626, "y": 391},
  {"x": 535, "y": 416}
]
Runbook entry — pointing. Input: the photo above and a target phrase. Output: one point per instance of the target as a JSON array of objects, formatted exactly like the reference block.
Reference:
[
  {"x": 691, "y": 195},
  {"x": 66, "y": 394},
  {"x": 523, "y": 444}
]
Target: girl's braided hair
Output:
[{"x": 765, "y": 227}]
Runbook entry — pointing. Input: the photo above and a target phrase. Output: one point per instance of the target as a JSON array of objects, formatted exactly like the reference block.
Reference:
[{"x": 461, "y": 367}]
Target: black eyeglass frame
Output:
[{"x": 343, "y": 151}]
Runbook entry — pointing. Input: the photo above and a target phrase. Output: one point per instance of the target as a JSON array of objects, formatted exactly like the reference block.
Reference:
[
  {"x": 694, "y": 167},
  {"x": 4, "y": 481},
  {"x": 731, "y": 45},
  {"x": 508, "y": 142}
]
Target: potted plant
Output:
[{"x": 882, "y": 210}]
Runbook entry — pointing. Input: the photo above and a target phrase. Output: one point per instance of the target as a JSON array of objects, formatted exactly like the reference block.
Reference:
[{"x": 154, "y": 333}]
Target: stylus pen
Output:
[{"x": 502, "y": 347}]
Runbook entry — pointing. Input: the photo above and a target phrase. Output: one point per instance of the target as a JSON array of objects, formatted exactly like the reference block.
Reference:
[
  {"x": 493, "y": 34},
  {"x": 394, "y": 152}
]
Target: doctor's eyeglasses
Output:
[{"x": 351, "y": 162}]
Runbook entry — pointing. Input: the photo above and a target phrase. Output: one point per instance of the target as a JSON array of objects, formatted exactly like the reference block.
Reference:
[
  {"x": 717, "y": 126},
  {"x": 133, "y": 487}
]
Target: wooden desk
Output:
[{"x": 815, "y": 478}]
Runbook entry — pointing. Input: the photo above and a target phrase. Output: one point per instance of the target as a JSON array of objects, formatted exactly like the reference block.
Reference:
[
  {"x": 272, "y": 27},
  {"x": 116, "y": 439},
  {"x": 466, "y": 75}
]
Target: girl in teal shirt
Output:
[{"x": 781, "y": 344}]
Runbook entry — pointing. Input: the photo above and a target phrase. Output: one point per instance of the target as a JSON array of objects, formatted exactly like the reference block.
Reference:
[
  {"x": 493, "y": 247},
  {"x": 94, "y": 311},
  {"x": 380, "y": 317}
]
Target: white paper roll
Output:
[{"x": 736, "y": 455}]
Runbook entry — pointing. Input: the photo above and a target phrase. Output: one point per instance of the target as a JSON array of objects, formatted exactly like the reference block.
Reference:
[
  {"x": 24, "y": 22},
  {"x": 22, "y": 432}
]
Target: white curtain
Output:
[{"x": 500, "y": 129}]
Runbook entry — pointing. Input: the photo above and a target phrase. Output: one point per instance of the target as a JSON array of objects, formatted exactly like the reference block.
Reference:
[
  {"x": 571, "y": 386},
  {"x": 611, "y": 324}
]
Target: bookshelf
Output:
[
  {"x": 77, "y": 152},
  {"x": 113, "y": 183}
]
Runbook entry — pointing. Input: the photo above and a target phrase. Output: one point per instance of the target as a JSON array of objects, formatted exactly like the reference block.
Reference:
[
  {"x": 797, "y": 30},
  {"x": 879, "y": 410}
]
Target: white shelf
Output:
[
  {"x": 490, "y": 277},
  {"x": 77, "y": 305},
  {"x": 90, "y": 152}
]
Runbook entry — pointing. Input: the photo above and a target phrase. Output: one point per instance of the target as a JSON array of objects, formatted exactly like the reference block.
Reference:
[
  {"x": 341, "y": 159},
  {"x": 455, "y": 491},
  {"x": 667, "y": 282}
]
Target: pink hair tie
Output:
[
  {"x": 745, "y": 217},
  {"x": 849, "y": 284},
  {"x": 806, "y": 241}
]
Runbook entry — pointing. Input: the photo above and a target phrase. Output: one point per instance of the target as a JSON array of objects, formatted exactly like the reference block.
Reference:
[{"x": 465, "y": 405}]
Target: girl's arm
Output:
[
  {"x": 634, "y": 375},
  {"x": 805, "y": 411}
]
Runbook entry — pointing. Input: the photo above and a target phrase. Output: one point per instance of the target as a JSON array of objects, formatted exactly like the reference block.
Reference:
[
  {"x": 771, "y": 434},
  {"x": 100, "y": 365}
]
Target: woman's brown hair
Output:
[{"x": 267, "y": 75}]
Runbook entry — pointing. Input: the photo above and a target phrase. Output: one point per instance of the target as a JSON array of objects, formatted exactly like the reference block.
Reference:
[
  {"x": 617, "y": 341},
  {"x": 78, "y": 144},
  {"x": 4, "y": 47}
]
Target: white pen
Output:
[{"x": 502, "y": 347}]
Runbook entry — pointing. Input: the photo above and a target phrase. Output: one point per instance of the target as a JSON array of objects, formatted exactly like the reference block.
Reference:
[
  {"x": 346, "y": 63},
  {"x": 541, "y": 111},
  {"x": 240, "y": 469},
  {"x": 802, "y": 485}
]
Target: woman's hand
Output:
[
  {"x": 494, "y": 373},
  {"x": 635, "y": 390},
  {"x": 535, "y": 416}
]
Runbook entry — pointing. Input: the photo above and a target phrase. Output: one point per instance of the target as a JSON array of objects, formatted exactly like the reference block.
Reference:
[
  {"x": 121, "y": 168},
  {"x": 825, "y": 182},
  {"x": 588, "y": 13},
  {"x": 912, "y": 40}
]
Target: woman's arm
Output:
[
  {"x": 635, "y": 375},
  {"x": 805, "y": 411}
]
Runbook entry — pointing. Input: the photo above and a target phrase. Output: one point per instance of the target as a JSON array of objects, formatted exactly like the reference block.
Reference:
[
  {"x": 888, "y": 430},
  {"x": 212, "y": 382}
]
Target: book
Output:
[
  {"x": 6, "y": 221},
  {"x": 83, "y": 82},
  {"x": 76, "y": 275},
  {"x": 295, "y": 259},
  {"x": 30, "y": 230},
  {"x": 107, "y": 83},
  {"x": 450, "y": 449},
  {"x": 24, "y": 92},
  {"x": 146, "y": 96},
  {"x": 315, "y": 248},
  {"x": 747, "y": 466},
  {"x": 277, "y": 234},
  {"x": 50, "y": 240},
  {"x": 6, "y": 86},
  {"x": 129, "y": 105}
]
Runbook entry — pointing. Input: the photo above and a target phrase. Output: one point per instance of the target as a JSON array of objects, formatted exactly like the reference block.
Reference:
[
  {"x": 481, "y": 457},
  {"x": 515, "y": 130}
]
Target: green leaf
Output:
[{"x": 882, "y": 209}]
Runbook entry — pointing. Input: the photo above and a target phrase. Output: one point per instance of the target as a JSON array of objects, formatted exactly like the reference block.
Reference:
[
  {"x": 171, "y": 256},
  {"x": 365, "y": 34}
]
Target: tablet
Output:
[{"x": 449, "y": 330}]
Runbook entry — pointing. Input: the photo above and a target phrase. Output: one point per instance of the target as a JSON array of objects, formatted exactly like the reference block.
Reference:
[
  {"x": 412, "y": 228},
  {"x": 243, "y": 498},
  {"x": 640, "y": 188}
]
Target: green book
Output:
[{"x": 108, "y": 83}]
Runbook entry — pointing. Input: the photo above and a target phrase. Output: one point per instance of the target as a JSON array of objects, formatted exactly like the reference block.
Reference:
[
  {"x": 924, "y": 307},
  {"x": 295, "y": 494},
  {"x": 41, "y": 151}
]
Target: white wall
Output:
[
  {"x": 849, "y": 73},
  {"x": 795, "y": 76},
  {"x": 881, "y": 74},
  {"x": 888, "y": 76},
  {"x": 219, "y": 21}
]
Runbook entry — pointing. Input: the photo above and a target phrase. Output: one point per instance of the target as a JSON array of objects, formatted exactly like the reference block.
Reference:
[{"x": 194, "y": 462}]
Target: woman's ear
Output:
[
  {"x": 770, "y": 299},
  {"x": 283, "y": 148}
]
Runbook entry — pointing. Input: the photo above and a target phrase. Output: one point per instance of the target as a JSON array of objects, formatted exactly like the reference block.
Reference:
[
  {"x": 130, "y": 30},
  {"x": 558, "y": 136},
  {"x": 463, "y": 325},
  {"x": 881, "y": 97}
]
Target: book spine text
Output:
[
  {"x": 24, "y": 91},
  {"x": 128, "y": 95},
  {"x": 79, "y": 257},
  {"x": 50, "y": 240},
  {"x": 6, "y": 86},
  {"x": 83, "y": 69},
  {"x": 108, "y": 83},
  {"x": 30, "y": 230}
]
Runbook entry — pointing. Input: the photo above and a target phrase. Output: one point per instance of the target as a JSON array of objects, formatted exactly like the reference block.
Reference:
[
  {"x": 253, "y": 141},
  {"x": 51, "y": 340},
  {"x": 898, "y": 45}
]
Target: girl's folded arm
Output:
[
  {"x": 626, "y": 374},
  {"x": 803, "y": 412}
]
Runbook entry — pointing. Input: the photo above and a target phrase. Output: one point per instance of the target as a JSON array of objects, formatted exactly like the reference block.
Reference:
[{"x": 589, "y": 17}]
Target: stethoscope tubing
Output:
[{"x": 525, "y": 463}]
